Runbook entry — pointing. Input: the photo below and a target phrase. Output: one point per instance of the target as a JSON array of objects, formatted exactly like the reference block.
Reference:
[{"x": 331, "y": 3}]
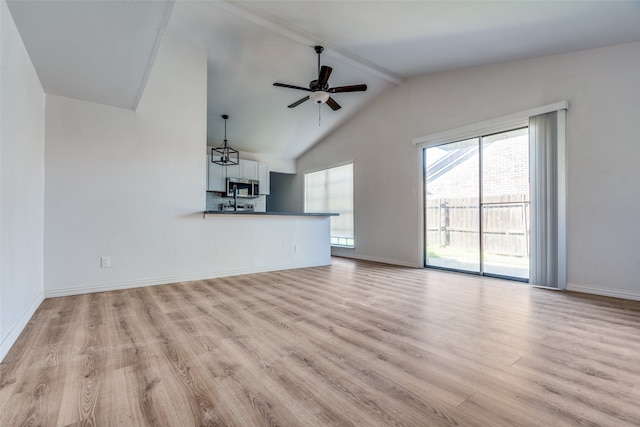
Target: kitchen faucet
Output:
[{"x": 235, "y": 198}]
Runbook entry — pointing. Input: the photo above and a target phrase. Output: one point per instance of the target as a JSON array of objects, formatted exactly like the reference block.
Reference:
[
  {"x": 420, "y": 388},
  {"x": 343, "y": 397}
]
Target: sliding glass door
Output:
[
  {"x": 451, "y": 206},
  {"x": 505, "y": 204},
  {"x": 477, "y": 205}
]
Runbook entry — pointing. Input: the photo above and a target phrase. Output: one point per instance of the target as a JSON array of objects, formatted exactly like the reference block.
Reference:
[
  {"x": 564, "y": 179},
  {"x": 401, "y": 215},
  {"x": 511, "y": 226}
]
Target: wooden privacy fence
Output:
[{"x": 454, "y": 223}]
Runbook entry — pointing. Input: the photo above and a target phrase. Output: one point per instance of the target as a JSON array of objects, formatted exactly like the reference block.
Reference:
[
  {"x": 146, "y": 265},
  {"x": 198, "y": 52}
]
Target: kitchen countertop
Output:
[{"x": 249, "y": 213}]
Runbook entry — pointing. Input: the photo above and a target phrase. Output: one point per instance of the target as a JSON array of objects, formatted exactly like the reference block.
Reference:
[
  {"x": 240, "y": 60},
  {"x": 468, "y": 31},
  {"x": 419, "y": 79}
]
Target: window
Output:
[{"x": 331, "y": 190}]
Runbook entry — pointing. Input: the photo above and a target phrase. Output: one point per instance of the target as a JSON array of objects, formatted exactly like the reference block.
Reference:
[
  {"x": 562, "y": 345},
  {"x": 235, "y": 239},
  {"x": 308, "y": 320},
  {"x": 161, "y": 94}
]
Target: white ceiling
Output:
[
  {"x": 98, "y": 51},
  {"x": 101, "y": 51}
]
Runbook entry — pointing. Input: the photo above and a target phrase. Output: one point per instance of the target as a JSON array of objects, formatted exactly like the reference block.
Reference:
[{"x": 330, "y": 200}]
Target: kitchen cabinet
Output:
[
  {"x": 248, "y": 169},
  {"x": 215, "y": 176},
  {"x": 264, "y": 178},
  {"x": 233, "y": 171}
]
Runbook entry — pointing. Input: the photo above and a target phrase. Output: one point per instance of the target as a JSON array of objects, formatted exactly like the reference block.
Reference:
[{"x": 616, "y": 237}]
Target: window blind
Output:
[{"x": 331, "y": 190}]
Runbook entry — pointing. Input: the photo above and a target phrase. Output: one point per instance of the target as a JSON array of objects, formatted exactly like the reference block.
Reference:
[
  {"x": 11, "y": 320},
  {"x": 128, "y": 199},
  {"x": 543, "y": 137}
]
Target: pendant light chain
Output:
[{"x": 319, "y": 52}]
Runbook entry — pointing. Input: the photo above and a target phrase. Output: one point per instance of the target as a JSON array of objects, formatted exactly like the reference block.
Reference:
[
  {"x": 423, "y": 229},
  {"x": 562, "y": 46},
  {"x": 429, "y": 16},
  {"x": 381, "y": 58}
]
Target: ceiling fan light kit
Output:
[
  {"x": 319, "y": 88},
  {"x": 224, "y": 155},
  {"x": 319, "y": 97}
]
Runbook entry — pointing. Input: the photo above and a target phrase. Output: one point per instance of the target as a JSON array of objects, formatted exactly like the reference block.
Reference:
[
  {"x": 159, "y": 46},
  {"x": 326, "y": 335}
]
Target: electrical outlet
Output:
[
  {"x": 295, "y": 248},
  {"x": 105, "y": 262}
]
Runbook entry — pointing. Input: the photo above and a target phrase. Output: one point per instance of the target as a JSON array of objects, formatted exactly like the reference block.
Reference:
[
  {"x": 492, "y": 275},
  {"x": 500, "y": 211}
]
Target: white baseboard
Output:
[
  {"x": 9, "y": 340},
  {"x": 79, "y": 290},
  {"x": 596, "y": 290},
  {"x": 374, "y": 259}
]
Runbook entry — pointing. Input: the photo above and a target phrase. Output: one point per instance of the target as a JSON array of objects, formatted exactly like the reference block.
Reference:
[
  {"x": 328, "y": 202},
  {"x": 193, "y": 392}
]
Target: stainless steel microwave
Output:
[{"x": 247, "y": 188}]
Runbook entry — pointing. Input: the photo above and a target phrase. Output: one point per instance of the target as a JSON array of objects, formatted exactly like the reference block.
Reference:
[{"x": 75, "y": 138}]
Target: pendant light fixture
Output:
[{"x": 225, "y": 155}]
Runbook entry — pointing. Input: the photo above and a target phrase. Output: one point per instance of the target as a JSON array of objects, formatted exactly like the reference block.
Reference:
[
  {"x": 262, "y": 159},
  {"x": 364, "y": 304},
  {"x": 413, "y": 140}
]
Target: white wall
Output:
[
  {"x": 131, "y": 185},
  {"x": 127, "y": 184},
  {"x": 21, "y": 184},
  {"x": 603, "y": 152}
]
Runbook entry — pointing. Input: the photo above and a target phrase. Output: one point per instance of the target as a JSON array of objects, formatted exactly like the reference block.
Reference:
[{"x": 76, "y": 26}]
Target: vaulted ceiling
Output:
[{"x": 103, "y": 51}]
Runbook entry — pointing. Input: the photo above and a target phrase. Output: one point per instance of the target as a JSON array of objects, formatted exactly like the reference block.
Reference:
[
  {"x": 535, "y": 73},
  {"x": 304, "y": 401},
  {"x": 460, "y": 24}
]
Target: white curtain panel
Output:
[{"x": 547, "y": 181}]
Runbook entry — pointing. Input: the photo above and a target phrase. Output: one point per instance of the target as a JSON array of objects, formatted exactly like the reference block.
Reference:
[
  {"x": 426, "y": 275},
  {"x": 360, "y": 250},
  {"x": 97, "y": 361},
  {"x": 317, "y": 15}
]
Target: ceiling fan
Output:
[{"x": 319, "y": 88}]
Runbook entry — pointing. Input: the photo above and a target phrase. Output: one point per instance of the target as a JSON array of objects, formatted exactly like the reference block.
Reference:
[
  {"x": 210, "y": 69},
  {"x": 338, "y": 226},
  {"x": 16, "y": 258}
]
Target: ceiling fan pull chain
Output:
[{"x": 319, "y": 113}]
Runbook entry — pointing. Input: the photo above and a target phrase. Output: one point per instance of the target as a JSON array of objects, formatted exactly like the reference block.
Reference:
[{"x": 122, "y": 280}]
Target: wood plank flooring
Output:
[{"x": 352, "y": 344}]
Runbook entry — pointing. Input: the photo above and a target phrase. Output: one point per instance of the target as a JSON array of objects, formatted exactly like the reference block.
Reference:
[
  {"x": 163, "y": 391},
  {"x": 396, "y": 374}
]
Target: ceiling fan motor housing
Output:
[{"x": 313, "y": 85}]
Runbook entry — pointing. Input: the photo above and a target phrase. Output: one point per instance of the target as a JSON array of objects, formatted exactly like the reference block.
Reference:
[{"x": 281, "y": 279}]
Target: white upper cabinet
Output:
[
  {"x": 248, "y": 169},
  {"x": 264, "y": 178},
  {"x": 233, "y": 171},
  {"x": 215, "y": 176}
]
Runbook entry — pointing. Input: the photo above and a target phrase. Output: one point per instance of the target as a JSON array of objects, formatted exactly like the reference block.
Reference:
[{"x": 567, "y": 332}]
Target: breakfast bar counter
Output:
[
  {"x": 249, "y": 242},
  {"x": 210, "y": 214}
]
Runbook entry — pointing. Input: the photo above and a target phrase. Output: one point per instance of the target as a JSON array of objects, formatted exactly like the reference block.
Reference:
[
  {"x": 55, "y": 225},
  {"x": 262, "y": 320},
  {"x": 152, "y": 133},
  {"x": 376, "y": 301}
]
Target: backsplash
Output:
[{"x": 214, "y": 201}]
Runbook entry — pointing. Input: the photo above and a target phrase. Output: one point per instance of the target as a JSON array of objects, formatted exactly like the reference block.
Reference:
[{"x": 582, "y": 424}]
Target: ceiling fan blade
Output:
[
  {"x": 292, "y": 87},
  {"x": 351, "y": 88},
  {"x": 298, "y": 102},
  {"x": 323, "y": 76},
  {"x": 333, "y": 104}
]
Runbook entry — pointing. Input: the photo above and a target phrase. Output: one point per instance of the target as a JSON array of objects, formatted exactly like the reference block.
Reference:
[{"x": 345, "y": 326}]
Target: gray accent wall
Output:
[{"x": 283, "y": 194}]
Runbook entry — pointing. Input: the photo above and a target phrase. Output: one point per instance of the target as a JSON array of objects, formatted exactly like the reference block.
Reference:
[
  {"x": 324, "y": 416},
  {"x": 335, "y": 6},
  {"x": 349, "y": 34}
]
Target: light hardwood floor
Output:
[{"x": 356, "y": 343}]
